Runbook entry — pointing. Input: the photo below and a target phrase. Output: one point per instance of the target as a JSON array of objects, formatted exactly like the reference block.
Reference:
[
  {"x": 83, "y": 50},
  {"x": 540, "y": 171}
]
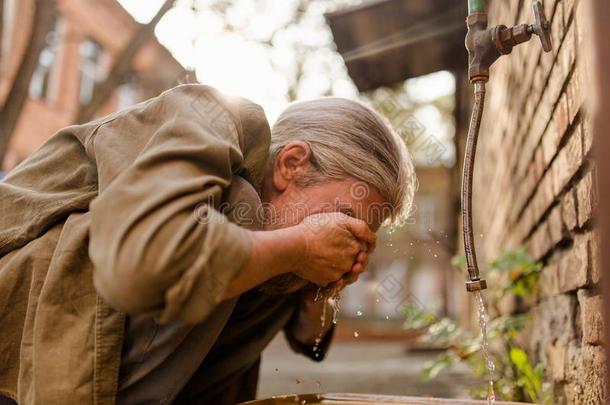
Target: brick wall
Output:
[{"x": 535, "y": 185}]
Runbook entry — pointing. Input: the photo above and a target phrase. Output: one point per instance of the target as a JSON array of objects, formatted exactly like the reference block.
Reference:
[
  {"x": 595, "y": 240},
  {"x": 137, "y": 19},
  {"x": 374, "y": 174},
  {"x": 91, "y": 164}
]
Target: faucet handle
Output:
[{"x": 541, "y": 26}]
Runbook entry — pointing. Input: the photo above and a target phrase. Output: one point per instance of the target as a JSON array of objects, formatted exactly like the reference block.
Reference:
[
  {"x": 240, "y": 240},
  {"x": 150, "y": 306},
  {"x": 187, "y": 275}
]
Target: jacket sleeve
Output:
[
  {"x": 314, "y": 352},
  {"x": 158, "y": 242}
]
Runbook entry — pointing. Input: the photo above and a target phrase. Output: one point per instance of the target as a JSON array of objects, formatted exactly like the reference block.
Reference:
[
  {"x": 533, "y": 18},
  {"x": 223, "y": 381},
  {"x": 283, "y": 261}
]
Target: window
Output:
[
  {"x": 127, "y": 93},
  {"x": 41, "y": 78},
  {"x": 90, "y": 68}
]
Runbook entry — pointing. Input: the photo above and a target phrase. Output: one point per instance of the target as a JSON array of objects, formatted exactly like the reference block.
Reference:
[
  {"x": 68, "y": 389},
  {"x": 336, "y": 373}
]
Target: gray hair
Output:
[{"x": 349, "y": 139}]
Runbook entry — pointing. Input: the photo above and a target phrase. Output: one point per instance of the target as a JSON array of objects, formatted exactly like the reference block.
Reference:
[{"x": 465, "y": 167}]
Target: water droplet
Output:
[
  {"x": 355, "y": 334},
  {"x": 387, "y": 317},
  {"x": 359, "y": 313}
]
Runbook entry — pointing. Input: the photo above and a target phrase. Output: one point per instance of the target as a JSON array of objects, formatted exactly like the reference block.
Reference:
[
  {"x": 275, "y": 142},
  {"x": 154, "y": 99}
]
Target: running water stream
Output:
[
  {"x": 491, "y": 395},
  {"x": 332, "y": 298}
]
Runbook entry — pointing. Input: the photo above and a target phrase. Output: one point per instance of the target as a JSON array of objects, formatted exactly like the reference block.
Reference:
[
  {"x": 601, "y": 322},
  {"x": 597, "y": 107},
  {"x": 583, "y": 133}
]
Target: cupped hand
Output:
[{"x": 335, "y": 246}]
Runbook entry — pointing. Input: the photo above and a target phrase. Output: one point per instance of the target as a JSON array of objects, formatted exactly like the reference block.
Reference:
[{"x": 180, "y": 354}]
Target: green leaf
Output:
[
  {"x": 531, "y": 380},
  {"x": 519, "y": 358},
  {"x": 434, "y": 367}
]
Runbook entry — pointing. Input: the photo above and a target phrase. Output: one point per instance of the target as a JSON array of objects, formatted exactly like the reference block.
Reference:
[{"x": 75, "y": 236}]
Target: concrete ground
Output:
[{"x": 371, "y": 367}]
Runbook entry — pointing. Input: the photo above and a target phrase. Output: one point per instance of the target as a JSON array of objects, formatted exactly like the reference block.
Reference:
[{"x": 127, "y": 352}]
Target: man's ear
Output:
[{"x": 291, "y": 162}]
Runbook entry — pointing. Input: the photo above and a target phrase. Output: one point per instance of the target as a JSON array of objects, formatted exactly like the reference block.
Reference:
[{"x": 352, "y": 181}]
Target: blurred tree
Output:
[
  {"x": 400, "y": 107},
  {"x": 42, "y": 23},
  {"x": 299, "y": 45},
  {"x": 122, "y": 66}
]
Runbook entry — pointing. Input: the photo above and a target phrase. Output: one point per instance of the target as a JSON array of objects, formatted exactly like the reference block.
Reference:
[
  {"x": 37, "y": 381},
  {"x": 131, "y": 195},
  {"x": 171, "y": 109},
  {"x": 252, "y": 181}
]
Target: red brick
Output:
[
  {"x": 586, "y": 197},
  {"x": 538, "y": 165},
  {"x": 556, "y": 354},
  {"x": 591, "y": 317},
  {"x": 595, "y": 256},
  {"x": 558, "y": 28},
  {"x": 549, "y": 281},
  {"x": 546, "y": 192},
  {"x": 540, "y": 242},
  {"x": 561, "y": 117},
  {"x": 550, "y": 7},
  {"x": 568, "y": 210},
  {"x": 574, "y": 266},
  {"x": 549, "y": 143},
  {"x": 574, "y": 151},
  {"x": 555, "y": 225},
  {"x": 587, "y": 136},
  {"x": 581, "y": 20},
  {"x": 585, "y": 375},
  {"x": 567, "y": 54},
  {"x": 574, "y": 94},
  {"x": 568, "y": 9},
  {"x": 567, "y": 163}
]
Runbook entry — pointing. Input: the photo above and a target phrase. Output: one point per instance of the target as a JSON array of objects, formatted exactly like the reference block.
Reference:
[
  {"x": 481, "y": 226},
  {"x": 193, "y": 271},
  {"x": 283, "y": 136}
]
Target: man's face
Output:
[
  {"x": 294, "y": 191},
  {"x": 350, "y": 196}
]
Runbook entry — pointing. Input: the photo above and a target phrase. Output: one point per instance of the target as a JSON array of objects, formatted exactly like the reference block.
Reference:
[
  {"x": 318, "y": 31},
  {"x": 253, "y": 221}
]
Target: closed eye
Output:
[{"x": 347, "y": 211}]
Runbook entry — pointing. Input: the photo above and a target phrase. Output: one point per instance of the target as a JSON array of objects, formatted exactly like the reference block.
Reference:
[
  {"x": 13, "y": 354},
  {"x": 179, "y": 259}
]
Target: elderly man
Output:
[{"x": 150, "y": 256}]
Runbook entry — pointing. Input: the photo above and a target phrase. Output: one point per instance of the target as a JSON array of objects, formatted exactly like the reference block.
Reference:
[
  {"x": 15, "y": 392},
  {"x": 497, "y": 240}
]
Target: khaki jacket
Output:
[{"x": 121, "y": 215}]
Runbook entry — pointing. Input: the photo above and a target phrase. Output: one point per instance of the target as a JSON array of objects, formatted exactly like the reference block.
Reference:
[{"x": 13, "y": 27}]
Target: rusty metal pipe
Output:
[
  {"x": 475, "y": 283},
  {"x": 485, "y": 45}
]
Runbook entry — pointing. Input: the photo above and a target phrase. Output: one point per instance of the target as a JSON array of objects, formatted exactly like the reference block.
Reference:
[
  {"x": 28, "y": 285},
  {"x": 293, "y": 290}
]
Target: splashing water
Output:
[
  {"x": 491, "y": 395},
  {"x": 332, "y": 299},
  {"x": 334, "y": 302}
]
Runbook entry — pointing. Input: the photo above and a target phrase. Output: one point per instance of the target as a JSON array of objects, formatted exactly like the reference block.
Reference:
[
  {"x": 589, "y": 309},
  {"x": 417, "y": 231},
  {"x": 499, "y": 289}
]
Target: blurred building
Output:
[
  {"x": 384, "y": 43},
  {"x": 412, "y": 262},
  {"x": 87, "y": 36}
]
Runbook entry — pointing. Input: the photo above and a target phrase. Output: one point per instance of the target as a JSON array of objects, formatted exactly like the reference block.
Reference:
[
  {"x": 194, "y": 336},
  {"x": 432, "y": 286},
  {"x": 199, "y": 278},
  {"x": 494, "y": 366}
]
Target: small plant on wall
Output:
[{"x": 513, "y": 275}]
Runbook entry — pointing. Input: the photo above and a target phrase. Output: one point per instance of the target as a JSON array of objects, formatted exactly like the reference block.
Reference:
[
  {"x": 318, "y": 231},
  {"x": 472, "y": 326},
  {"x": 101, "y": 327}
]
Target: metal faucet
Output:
[{"x": 485, "y": 45}]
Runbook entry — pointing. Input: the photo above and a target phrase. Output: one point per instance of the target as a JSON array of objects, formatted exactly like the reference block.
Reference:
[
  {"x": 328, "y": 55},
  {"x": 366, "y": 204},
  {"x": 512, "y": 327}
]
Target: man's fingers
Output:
[
  {"x": 362, "y": 257},
  {"x": 362, "y": 231}
]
